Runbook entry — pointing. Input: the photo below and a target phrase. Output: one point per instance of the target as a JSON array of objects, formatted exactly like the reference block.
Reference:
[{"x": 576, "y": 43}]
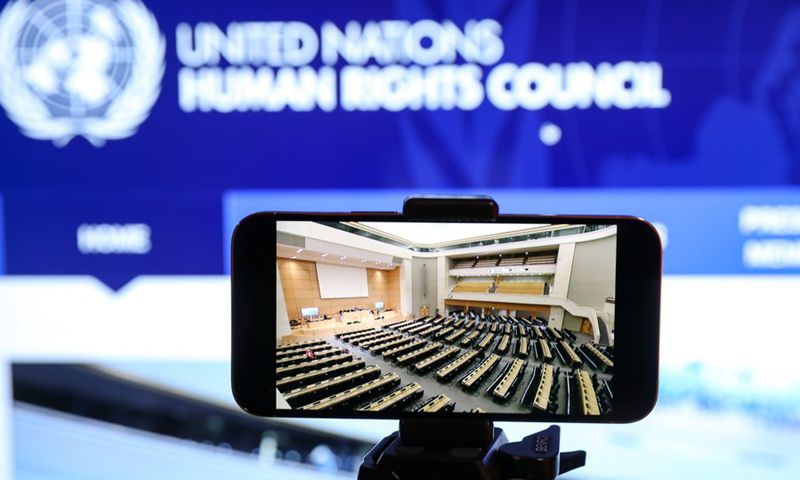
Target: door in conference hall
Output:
[{"x": 586, "y": 326}]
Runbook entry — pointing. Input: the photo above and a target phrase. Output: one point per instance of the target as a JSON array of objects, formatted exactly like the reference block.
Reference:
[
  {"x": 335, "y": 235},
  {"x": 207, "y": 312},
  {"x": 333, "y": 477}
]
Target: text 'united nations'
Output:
[{"x": 391, "y": 65}]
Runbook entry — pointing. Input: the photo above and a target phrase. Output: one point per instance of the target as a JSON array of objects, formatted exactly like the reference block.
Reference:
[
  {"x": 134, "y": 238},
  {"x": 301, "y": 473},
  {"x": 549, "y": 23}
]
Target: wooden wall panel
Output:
[{"x": 301, "y": 289}]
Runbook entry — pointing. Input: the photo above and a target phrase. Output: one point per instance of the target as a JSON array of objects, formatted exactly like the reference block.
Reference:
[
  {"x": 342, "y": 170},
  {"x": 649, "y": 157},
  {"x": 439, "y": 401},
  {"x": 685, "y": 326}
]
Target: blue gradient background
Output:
[{"x": 729, "y": 138}]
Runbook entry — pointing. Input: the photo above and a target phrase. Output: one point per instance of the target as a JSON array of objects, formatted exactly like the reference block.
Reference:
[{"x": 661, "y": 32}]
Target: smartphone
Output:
[{"x": 390, "y": 315}]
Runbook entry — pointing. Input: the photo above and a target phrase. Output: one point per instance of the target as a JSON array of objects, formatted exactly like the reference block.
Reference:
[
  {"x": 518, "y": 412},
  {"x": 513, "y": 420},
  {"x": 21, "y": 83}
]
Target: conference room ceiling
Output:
[
  {"x": 437, "y": 235},
  {"x": 338, "y": 256}
]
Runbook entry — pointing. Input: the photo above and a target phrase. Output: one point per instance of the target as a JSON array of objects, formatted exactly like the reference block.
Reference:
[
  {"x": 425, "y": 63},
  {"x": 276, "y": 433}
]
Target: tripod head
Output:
[{"x": 466, "y": 449}]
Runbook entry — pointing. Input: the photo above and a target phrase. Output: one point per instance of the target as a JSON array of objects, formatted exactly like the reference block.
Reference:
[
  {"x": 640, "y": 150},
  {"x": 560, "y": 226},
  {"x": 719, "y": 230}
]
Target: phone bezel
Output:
[{"x": 638, "y": 287}]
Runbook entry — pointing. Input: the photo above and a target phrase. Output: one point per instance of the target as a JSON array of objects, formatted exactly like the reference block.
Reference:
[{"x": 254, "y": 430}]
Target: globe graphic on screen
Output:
[{"x": 75, "y": 55}]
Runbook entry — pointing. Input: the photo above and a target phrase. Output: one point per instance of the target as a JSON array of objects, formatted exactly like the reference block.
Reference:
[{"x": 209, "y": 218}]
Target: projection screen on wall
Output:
[{"x": 337, "y": 281}]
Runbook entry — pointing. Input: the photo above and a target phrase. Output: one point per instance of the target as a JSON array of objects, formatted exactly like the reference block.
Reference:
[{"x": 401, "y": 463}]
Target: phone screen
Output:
[{"x": 407, "y": 316}]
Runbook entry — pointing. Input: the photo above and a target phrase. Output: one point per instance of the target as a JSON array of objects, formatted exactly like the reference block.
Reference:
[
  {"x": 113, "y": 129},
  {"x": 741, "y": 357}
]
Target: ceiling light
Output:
[
  {"x": 299, "y": 250},
  {"x": 342, "y": 258},
  {"x": 294, "y": 256},
  {"x": 324, "y": 255}
]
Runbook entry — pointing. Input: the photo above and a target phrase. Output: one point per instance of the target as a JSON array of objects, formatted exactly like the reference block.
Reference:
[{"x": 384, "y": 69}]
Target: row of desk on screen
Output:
[
  {"x": 307, "y": 366},
  {"x": 469, "y": 338},
  {"x": 354, "y": 395},
  {"x": 455, "y": 335},
  {"x": 305, "y": 378},
  {"x": 356, "y": 332},
  {"x": 327, "y": 351},
  {"x": 369, "y": 338},
  {"x": 394, "y": 352},
  {"x": 471, "y": 380},
  {"x": 292, "y": 350},
  {"x": 554, "y": 335},
  {"x": 357, "y": 335},
  {"x": 598, "y": 359},
  {"x": 395, "y": 399},
  {"x": 581, "y": 394},
  {"x": 541, "y": 387},
  {"x": 430, "y": 330},
  {"x": 445, "y": 331},
  {"x": 458, "y": 365},
  {"x": 507, "y": 382},
  {"x": 397, "y": 341},
  {"x": 313, "y": 391},
  {"x": 430, "y": 348},
  {"x": 415, "y": 329},
  {"x": 485, "y": 341},
  {"x": 405, "y": 326},
  {"x": 392, "y": 398},
  {"x": 437, "y": 403},
  {"x": 299, "y": 345},
  {"x": 567, "y": 354},
  {"x": 379, "y": 340},
  {"x": 381, "y": 393},
  {"x": 522, "y": 348},
  {"x": 427, "y": 364},
  {"x": 542, "y": 351}
]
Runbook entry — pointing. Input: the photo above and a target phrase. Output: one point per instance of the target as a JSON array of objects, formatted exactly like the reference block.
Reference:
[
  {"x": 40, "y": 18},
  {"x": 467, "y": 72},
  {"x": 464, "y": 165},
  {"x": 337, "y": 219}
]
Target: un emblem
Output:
[{"x": 89, "y": 68}]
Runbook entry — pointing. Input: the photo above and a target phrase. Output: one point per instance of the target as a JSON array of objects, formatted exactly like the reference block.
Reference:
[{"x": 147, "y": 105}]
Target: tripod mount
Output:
[{"x": 466, "y": 449}]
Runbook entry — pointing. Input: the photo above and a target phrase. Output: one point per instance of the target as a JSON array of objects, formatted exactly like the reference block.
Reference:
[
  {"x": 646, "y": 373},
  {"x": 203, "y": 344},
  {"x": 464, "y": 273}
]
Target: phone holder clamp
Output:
[{"x": 468, "y": 450}]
